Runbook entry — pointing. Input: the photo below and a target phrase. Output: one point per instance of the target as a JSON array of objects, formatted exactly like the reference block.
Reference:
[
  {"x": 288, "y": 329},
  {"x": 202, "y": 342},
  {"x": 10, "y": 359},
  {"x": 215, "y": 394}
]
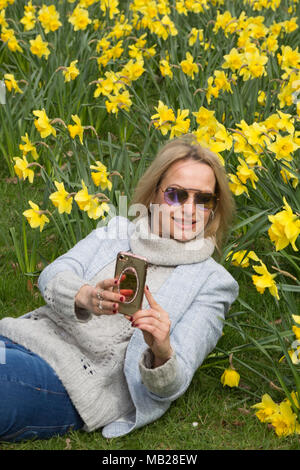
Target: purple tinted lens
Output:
[{"x": 175, "y": 197}]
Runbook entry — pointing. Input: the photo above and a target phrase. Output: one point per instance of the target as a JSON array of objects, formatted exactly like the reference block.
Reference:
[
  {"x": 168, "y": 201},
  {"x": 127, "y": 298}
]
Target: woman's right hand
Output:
[{"x": 88, "y": 298}]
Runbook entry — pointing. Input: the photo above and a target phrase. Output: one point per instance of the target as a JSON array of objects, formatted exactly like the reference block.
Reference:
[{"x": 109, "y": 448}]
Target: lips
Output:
[{"x": 184, "y": 222}]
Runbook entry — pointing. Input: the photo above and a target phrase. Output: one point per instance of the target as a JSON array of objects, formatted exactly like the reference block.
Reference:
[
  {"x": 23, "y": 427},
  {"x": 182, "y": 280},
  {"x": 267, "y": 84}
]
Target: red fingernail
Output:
[
  {"x": 116, "y": 281},
  {"x": 147, "y": 287},
  {"x": 122, "y": 298},
  {"x": 114, "y": 311}
]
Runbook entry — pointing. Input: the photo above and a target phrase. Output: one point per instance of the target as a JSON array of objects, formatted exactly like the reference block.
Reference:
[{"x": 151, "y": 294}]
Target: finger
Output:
[
  {"x": 152, "y": 302},
  {"x": 109, "y": 295},
  {"x": 105, "y": 308},
  {"x": 150, "y": 313},
  {"x": 107, "y": 283}
]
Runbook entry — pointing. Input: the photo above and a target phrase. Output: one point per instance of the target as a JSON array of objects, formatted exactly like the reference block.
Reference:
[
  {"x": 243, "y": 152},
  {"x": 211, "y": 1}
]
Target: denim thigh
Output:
[{"x": 33, "y": 401}]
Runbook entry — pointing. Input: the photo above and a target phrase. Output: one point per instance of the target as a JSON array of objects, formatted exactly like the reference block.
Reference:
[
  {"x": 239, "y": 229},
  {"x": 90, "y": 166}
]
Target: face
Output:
[{"x": 186, "y": 221}]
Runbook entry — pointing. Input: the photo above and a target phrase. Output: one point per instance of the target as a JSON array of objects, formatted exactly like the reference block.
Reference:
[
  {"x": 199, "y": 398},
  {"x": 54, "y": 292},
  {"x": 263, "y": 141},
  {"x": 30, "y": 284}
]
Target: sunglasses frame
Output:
[{"x": 213, "y": 195}]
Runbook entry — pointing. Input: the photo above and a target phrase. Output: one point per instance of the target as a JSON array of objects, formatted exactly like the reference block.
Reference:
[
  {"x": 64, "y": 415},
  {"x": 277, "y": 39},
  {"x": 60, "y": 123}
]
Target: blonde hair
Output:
[{"x": 185, "y": 148}]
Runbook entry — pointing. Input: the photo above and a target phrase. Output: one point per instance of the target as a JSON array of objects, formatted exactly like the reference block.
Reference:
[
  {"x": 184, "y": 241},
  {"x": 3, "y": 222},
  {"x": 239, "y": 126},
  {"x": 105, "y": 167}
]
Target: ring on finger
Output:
[
  {"x": 100, "y": 305},
  {"x": 158, "y": 315},
  {"x": 99, "y": 294}
]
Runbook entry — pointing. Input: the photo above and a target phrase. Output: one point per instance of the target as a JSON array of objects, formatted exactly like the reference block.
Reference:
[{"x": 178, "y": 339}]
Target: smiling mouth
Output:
[{"x": 184, "y": 222}]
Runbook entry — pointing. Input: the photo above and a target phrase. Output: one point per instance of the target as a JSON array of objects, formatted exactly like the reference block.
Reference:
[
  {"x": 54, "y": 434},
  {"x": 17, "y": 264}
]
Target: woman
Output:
[{"x": 78, "y": 363}]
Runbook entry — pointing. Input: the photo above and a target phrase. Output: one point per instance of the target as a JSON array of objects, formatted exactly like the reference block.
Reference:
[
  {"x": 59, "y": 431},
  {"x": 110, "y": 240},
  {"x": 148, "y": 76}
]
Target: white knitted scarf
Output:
[{"x": 168, "y": 251}]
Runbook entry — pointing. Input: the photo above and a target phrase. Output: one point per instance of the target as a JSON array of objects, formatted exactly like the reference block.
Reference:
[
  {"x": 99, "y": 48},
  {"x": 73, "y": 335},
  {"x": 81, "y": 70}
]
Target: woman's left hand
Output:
[{"x": 155, "y": 325}]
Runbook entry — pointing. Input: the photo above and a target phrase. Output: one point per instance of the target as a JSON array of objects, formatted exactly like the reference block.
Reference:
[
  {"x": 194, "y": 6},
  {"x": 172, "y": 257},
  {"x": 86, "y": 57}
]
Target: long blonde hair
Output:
[{"x": 185, "y": 148}]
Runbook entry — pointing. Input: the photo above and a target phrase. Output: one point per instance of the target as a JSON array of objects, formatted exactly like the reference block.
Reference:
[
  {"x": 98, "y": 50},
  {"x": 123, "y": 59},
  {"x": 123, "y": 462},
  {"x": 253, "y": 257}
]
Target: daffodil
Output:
[
  {"x": 164, "y": 117},
  {"x": 111, "y": 6},
  {"x": 266, "y": 408},
  {"x": 28, "y": 147},
  {"x": 244, "y": 173},
  {"x": 188, "y": 66},
  {"x": 181, "y": 125},
  {"x": 61, "y": 199},
  {"x": 22, "y": 169},
  {"x": 11, "y": 83},
  {"x": 118, "y": 101},
  {"x": 132, "y": 70},
  {"x": 165, "y": 68},
  {"x": 236, "y": 186},
  {"x": 76, "y": 129},
  {"x": 265, "y": 280},
  {"x": 28, "y": 20},
  {"x": 284, "y": 420},
  {"x": 43, "y": 124},
  {"x": 100, "y": 176},
  {"x": 285, "y": 228},
  {"x": 83, "y": 198},
  {"x": 96, "y": 209},
  {"x": 71, "y": 72},
  {"x": 242, "y": 257},
  {"x": 35, "y": 216},
  {"x": 80, "y": 18},
  {"x": 39, "y": 47},
  {"x": 49, "y": 18},
  {"x": 8, "y": 36},
  {"x": 111, "y": 84},
  {"x": 233, "y": 61},
  {"x": 230, "y": 377}
]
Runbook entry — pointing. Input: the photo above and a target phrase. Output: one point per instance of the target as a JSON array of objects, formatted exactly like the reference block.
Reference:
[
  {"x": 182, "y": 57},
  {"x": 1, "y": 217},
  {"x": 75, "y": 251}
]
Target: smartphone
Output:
[{"x": 131, "y": 271}]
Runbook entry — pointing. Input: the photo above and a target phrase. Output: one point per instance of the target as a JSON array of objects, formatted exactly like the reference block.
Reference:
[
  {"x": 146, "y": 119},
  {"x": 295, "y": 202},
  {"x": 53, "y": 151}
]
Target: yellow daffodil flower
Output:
[
  {"x": 8, "y": 36},
  {"x": 76, "y": 129},
  {"x": 111, "y": 84},
  {"x": 165, "y": 69},
  {"x": 230, "y": 377},
  {"x": 49, "y": 18},
  {"x": 111, "y": 6},
  {"x": 244, "y": 173},
  {"x": 100, "y": 176},
  {"x": 266, "y": 408},
  {"x": 188, "y": 65},
  {"x": 61, "y": 199},
  {"x": 79, "y": 18},
  {"x": 39, "y": 47},
  {"x": 119, "y": 101},
  {"x": 164, "y": 117},
  {"x": 233, "y": 61},
  {"x": 11, "y": 83},
  {"x": 242, "y": 257},
  {"x": 22, "y": 169},
  {"x": 43, "y": 124},
  {"x": 265, "y": 280},
  {"x": 35, "y": 216},
  {"x": 236, "y": 186},
  {"x": 28, "y": 20},
  {"x": 28, "y": 147},
  {"x": 83, "y": 198},
  {"x": 181, "y": 124},
  {"x": 132, "y": 71},
  {"x": 285, "y": 228},
  {"x": 71, "y": 72},
  {"x": 284, "y": 420}
]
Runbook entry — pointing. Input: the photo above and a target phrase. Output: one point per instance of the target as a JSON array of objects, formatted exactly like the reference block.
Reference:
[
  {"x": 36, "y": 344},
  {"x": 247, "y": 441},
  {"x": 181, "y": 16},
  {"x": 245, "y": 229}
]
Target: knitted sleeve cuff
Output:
[
  {"x": 60, "y": 293},
  {"x": 164, "y": 380}
]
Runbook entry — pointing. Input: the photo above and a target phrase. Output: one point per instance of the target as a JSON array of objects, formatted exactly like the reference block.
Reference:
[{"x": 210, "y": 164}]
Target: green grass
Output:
[{"x": 224, "y": 416}]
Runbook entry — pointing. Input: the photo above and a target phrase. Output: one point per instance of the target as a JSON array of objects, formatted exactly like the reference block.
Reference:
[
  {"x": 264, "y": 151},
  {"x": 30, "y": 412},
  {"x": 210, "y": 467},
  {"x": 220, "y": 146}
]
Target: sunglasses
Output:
[{"x": 177, "y": 196}]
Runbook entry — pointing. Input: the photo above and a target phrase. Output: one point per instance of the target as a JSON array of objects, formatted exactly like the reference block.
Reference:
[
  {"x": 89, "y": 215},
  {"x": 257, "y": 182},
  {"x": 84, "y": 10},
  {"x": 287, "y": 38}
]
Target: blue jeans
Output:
[{"x": 33, "y": 401}]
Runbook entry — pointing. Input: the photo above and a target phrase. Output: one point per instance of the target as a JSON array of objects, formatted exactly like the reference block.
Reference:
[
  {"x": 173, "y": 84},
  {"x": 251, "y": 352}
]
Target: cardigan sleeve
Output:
[
  {"x": 60, "y": 281},
  {"x": 192, "y": 339}
]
